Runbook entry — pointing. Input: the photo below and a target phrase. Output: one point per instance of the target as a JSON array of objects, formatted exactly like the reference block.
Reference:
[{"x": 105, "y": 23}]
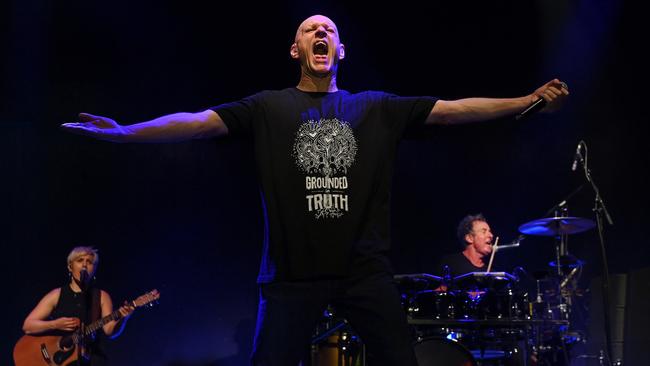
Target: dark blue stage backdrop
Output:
[{"x": 186, "y": 218}]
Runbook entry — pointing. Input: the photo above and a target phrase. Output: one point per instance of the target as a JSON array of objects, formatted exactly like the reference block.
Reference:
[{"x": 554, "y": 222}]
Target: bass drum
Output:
[{"x": 442, "y": 351}]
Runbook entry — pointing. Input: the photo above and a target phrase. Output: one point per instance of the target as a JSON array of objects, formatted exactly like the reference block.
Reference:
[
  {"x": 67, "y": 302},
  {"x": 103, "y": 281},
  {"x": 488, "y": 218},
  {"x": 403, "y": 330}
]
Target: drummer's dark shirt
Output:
[{"x": 458, "y": 264}]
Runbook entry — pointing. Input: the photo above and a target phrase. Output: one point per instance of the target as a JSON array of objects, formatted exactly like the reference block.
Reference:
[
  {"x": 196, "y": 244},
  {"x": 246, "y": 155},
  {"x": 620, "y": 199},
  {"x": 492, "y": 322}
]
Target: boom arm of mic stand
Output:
[{"x": 563, "y": 202}]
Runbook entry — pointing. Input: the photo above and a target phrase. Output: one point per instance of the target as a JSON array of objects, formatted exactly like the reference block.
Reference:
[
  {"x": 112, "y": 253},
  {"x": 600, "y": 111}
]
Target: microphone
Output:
[
  {"x": 513, "y": 244},
  {"x": 532, "y": 108},
  {"x": 576, "y": 157},
  {"x": 508, "y": 246},
  {"x": 568, "y": 278},
  {"x": 536, "y": 106},
  {"x": 83, "y": 278}
]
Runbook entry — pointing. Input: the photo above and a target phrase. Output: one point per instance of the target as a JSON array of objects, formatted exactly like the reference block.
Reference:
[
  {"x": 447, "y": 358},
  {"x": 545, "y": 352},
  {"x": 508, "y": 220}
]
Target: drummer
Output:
[{"x": 475, "y": 238}]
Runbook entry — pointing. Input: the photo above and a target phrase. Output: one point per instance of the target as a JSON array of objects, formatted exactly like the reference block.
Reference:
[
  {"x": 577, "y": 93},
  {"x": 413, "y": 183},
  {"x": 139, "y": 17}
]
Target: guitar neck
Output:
[
  {"x": 92, "y": 328},
  {"x": 145, "y": 299},
  {"x": 78, "y": 337}
]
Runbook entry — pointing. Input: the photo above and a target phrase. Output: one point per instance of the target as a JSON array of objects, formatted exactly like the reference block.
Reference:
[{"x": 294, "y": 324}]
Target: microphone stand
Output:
[
  {"x": 84, "y": 285},
  {"x": 81, "y": 341},
  {"x": 562, "y": 204},
  {"x": 600, "y": 210}
]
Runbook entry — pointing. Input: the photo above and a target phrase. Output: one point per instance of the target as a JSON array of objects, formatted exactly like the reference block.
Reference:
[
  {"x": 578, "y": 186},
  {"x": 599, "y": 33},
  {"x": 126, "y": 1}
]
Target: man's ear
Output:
[
  {"x": 469, "y": 239},
  {"x": 341, "y": 51},
  {"x": 294, "y": 51}
]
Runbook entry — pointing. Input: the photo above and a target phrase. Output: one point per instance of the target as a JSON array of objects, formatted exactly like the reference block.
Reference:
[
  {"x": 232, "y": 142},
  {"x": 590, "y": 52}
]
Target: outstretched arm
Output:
[
  {"x": 482, "y": 109},
  {"x": 170, "y": 128}
]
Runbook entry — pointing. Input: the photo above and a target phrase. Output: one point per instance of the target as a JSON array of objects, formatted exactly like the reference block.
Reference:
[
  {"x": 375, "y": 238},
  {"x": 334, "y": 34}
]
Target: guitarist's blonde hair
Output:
[{"x": 77, "y": 252}]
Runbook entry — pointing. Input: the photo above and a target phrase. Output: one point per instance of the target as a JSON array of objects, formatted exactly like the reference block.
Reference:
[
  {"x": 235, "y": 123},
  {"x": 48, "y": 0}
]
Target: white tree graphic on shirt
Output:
[{"x": 327, "y": 148}]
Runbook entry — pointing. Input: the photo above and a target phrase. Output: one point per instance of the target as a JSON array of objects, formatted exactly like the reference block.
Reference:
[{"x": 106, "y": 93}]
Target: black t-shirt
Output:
[
  {"x": 458, "y": 265},
  {"x": 324, "y": 162}
]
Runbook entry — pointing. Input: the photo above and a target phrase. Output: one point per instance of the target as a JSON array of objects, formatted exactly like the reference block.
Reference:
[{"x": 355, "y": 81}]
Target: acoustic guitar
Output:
[{"x": 51, "y": 350}]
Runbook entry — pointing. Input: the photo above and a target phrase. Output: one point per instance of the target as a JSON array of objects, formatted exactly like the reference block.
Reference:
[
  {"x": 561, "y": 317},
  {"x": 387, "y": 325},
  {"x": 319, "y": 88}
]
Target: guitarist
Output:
[{"x": 66, "y": 309}]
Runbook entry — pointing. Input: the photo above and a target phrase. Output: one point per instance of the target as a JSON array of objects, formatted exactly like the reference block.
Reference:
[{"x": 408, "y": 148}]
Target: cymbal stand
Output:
[
  {"x": 561, "y": 253},
  {"x": 539, "y": 299},
  {"x": 561, "y": 241}
]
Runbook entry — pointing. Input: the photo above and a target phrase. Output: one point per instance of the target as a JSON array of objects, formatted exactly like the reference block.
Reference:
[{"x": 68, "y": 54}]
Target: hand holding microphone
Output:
[{"x": 549, "y": 95}]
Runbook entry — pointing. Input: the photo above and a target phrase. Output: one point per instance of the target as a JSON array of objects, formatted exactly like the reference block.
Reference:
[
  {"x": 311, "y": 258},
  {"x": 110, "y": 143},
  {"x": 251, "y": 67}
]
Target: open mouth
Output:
[{"x": 320, "y": 48}]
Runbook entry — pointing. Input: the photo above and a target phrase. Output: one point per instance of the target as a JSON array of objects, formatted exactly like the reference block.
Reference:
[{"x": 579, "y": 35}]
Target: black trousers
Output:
[{"x": 289, "y": 312}]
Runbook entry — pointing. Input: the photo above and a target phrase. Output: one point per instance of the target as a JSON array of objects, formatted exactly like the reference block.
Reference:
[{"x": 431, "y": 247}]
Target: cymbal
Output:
[{"x": 554, "y": 226}]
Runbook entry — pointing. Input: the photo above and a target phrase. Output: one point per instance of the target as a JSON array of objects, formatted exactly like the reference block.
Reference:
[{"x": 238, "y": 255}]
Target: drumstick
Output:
[{"x": 494, "y": 250}]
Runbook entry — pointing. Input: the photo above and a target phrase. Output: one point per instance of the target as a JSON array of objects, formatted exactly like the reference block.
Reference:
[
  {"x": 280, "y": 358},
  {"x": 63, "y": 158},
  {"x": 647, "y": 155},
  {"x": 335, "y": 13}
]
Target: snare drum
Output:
[{"x": 442, "y": 351}]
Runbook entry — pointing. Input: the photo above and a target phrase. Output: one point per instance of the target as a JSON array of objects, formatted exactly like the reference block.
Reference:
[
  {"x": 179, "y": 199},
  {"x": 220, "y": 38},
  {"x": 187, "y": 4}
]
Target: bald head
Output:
[{"x": 312, "y": 21}]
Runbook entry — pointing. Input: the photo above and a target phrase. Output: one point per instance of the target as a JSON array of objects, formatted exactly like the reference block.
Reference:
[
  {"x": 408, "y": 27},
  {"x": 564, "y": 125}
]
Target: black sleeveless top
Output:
[{"x": 87, "y": 307}]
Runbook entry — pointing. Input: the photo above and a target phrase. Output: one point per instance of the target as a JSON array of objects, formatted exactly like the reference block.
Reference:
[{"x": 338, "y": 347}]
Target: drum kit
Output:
[{"x": 479, "y": 318}]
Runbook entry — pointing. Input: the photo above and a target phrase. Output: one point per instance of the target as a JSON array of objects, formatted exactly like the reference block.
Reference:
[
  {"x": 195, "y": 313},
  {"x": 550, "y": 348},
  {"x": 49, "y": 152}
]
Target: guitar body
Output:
[{"x": 43, "y": 351}]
